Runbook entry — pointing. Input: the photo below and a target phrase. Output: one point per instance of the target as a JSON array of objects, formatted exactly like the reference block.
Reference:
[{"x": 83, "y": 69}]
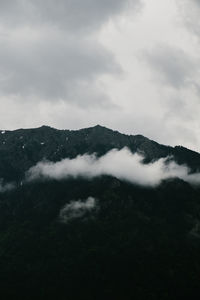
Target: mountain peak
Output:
[
  {"x": 22, "y": 148},
  {"x": 43, "y": 127},
  {"x": 99, "y": 127}
]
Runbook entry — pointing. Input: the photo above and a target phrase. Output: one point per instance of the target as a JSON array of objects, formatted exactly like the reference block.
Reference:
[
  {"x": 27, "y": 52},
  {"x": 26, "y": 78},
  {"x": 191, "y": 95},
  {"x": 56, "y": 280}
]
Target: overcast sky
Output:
[{"x": 131, "y": 65}]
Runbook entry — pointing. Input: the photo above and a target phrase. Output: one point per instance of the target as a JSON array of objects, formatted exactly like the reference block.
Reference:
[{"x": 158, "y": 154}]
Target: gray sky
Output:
[{"x": 131, "y": 65}]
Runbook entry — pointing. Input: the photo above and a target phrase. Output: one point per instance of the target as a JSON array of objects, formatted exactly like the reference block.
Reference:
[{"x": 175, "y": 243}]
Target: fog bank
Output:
[{"x": 121, "y": 164}]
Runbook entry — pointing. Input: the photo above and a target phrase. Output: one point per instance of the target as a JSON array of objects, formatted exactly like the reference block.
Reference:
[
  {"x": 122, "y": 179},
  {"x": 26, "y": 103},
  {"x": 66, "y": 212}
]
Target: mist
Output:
[
  {"x": 121, "y": 164},
  {"x": 77, "y": 209},
  {"x": 4, "y": 187}
]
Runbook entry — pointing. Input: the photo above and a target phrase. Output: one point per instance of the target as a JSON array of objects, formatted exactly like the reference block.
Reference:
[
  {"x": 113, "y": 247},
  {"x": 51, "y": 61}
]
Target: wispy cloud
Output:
[
  {"x": 121, "y": 164},
  {"x": 77, "y": 209},
  {"x": 4, "y": 187}
]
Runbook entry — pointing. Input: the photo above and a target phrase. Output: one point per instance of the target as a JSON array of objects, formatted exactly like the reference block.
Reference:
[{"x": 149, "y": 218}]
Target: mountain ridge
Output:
[
  {"x": 95, "y": 127},
  {"x": 22, "y": 148}
]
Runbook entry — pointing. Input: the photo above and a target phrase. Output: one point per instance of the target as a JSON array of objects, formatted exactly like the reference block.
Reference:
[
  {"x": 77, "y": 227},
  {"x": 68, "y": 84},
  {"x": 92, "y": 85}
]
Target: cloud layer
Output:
[
  {"x": 121, "y": 164},
  {"x": 49, "y": 52},
  {"x": 172, "y": 65},
  {"x": 35, "y": 68},
  {"x": 76, "y": 14}
]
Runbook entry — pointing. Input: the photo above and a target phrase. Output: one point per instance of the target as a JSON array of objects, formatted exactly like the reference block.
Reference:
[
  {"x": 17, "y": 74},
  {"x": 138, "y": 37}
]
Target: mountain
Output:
[
  {"x": 23, "y": 148},
  {"x": 96, "y": 238}
]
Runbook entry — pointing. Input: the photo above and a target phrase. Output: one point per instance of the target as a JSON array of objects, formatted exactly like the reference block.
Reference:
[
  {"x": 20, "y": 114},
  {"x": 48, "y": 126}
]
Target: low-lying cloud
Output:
[
  {"x": 4, "y": 187},
  {"x": 121, "y": 164},
  {"x": 77, "y": 209}
]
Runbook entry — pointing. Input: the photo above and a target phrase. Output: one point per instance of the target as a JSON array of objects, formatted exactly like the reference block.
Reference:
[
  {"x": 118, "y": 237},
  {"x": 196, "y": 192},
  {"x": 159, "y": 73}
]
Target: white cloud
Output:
[
  {"x": 121, "y": 164},
  {"x": 77, "y": 209}
]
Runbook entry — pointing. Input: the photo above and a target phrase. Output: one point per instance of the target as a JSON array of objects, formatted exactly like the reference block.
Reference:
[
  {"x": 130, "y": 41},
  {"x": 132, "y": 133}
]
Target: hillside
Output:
[
  {"x": 23, "y": 148},
  {"x": 97, "y": 238}
]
